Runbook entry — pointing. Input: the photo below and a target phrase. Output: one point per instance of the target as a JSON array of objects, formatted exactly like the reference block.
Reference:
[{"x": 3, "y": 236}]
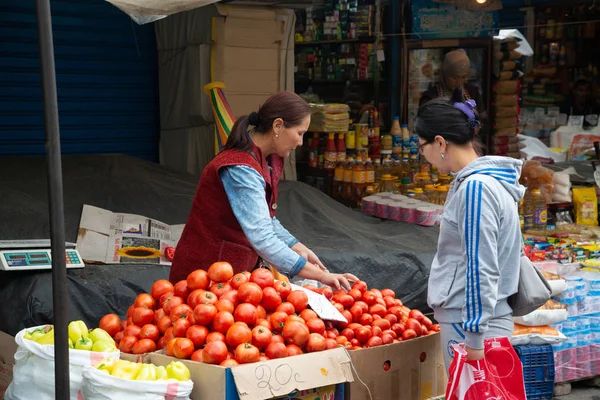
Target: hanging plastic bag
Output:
[
  {"x": 499, "y": 375},
  {"x": 97, "y": 385},
  {"x": 33, "y": 373}
]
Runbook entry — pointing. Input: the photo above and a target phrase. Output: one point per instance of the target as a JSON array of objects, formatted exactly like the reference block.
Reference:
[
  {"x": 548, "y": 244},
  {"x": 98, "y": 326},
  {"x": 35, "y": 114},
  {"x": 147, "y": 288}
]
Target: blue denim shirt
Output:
[{"x": 245, "y": 189}]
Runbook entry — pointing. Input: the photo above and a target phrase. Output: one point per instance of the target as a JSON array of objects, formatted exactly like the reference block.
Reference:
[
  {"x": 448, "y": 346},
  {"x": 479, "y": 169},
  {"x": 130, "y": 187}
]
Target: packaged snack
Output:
[{"x": 586, "y": 206}]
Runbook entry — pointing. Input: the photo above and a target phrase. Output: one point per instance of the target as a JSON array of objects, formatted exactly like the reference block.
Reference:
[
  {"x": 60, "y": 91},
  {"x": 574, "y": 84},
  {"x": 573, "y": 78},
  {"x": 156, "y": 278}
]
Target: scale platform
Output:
[{"x": 27, "y": 255}]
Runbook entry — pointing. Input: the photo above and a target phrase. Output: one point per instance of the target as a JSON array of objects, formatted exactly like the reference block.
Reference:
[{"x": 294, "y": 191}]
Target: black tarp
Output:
[{"x": 383, "y": 253}]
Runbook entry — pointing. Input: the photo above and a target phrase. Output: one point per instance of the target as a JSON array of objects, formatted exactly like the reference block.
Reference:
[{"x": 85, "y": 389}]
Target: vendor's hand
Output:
[
  {"x": 338, "y": 281},
  {"x": 474, "y": 354},
  {"x": 309, "y": 255}
]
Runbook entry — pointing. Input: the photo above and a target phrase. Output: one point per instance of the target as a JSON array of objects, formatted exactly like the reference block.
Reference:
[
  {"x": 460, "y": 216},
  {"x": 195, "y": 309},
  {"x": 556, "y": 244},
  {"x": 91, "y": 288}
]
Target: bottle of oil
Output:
[
  {"x": 370, "y": 183},
  {"x": 377, "y": 171},
  {"x": 419, "y": 195},
  {"x": 431, "y": 194},
  {"x": 528, "y": 211},
  {"x": 406, "y": 186},
  {"x": 347, "y": 196},
  {"x": 338, "y": 181},
  {"x": 359, "y": 181},
  {"x": 414, "y": 166},
  {"x": 442, "y": 194},
  {"x": 540, "y": 213}
]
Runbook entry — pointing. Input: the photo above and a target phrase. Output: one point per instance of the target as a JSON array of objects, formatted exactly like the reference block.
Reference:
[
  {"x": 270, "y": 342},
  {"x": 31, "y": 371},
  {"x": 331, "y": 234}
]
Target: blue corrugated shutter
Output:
[{"x": 106, "y": 71}]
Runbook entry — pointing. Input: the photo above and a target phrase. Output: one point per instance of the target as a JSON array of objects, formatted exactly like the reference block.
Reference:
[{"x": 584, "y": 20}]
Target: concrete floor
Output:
[{"x": 580, "y": 391}]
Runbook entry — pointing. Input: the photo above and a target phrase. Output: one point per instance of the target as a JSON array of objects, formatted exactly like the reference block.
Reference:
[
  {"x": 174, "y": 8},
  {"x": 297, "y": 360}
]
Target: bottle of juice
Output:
[
  {"x": 338, "y": 181},
  {"x": 370, "y": 184},
  {"x": 331, "y": 152},
  {"x": 431, "y": 194},
  {"x": 341, "y": 148},
  {"x": 540, "y": 213},
  {"x": 348, "y": 181},
  {"x": 419, "y": 195},
  {"x": 359, "y": 180}
]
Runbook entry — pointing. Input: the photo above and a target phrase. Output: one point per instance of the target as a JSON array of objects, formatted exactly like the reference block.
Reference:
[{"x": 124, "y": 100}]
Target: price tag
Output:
[
  {"x": 380, "y": 55},
  {"x": 273, "y": 378},
  {"x": 575, "y": 120},
  {"x": 319, "y": 303}
]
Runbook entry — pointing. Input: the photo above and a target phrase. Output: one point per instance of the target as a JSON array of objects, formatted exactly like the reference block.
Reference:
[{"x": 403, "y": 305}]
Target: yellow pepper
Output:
[
  {"x": 100, "y": 334},
  {"x": 77, "y": 330},
  {"x": 102, "y": 346},
  {"x": 84, "y": 343},
  {"x": 161, "y": 373},
  {"x": 125, "y": 369},
  {"x": 147, "y": 372},
  {"x": 178, "y": 370},
  {"x": 47, "y": 338},
  {"x": 107, "y": 365}
]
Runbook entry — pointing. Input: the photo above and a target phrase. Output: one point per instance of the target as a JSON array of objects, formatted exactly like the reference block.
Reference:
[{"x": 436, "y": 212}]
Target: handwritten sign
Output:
[
  {"x": 282, "y": 376},
  {"x": 323, "y": 307}
]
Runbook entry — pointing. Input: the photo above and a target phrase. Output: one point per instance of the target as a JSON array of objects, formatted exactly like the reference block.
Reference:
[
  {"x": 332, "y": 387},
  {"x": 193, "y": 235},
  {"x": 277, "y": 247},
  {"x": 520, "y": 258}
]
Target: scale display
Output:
[{"x": 26, "y": 255}]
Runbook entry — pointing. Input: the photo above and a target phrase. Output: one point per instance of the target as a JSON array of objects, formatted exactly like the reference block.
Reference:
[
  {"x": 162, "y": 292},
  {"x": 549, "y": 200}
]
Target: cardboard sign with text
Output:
[{"x": 323, "y": 307}]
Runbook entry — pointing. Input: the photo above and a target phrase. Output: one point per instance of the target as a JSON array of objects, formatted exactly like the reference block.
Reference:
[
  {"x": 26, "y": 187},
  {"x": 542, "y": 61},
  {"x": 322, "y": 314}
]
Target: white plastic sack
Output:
[
  {"x": 33, "y": 372},
  {"x": 542, "y": 317},
  {"x": 557, "y": 286},
  {"x": 98, "y": 385},
  {"x": 537, "y": 338}
]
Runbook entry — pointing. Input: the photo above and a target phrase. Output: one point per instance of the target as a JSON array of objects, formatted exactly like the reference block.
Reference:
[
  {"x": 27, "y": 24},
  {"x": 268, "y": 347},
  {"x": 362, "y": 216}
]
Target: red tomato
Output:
[
  {"x": 183, "y": 348},
  {"x": 238, "y": 333},
  {"x": 360, "y": 285},
  {"x": 389, "y": 301},
  {"x": 164, "y": 324},
  {"x": 214, "y": 352},
  {"x": 127, "y": 343},
  {"x": 342, "y": 340},
  {"x": 316, "y": 325},
  {"x": 118, "y": 338},
  {"x": 427, "y": 323},
  {"x": 356, "y": 312},
  {"x": 161, "y": 343},
  {"x": 225, "y": 305},
  {"x": 197, "y": 334},
  {"x": 250, "y": 292},
  {"x": 171, "y": 302},
  {"x": 181, "y": 289},
  {"x": 369, "y": 298},
  {"x": 218, "y": 289},
  {"x": 416, "y": 314},
  {"x": 345, "y": 299},
  {"x": 261, "y": 313},
  {"x": 376, "y": 331},
  {"x": 142, "y": 316},
  {"x": 180, "y": 327},
  {"x": 287, "y": 308},
  {"x": 354, "y": 326},
  {"x": 271, "y": 299},
  {"x": 181, "y": 311},
  {"x": 348, "y": 315},
  {"x": 409, "y": 334},
  {"x": 169, "y": 335},
  {"x": 397, "y": 311},
  {"x": 149, "y": 332},
  {"x": 232, "y": 296},
  {"x": 145, "y": 300},
  {"x": 374, "y": 341},
  {"x": 392, "y": 318},
  {"x": 200, "y": 296},
  {"x": 246, "y": 312},
  {"x": 355, "y": 294},
  {"x": 284, "y": 289},
  {"x": 388, "y": 292},
  {"x": 366, "y": 319},
  {"x": 414, "y": 325},
  {"x": 276, "y": 350},
  {"x": 161, "y": 287},
  {"x": 399, "y": 329},
  {"x": 198, "y": 279},
  {"x": 338, "y": 306},
  {"x": 220, "y": 272},
  {"x": 262, "y": 277},
  {"x": 363, "y": 306},
  {"x": 278, "y": 320},
  {"x": 316, "y": 343},
  {"x": 144, "y": 346},
  {"x": 330, "y": 334},
  {"x": 309, "y": 314},
  {"x": 223, "y": 321},
  {"x": 111, "y": 323},
  {"x": 169, "y": 347},
  {"x": 382, "y": 323},
  {"x": 363, "y": 334},
  {"x": 204, "y": 314},
  {"x": 293, "y": 350},
  {"x": 237, "y": 280},
  {"x": 299, "y": 300},
  {"x": 261, "y": 337},
  {"x": 197, "y": 356},
  {"x": 229, "y": 363},
  {"x": 132, "y": 330},
  {"x": 215, "y": 337},
  {"x": 278, "y": 338},
  {"x": 389, "y": 332},
  {"x": 295, "y": 332},
  {"x": 348, "y": 333},
  {"x": 378, "y": 309},
  {"x": 377, "y": 293},
  {"x": 435, "y": 327},
  {"x": 158, "y": 314},
  {"x": 294, "y": 317},
  {"x": 330, "y": 344}
]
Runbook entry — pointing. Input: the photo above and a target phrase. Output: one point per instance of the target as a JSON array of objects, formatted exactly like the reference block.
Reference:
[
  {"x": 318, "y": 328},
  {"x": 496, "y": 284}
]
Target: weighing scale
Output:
[{"x": 27, "y": 255}]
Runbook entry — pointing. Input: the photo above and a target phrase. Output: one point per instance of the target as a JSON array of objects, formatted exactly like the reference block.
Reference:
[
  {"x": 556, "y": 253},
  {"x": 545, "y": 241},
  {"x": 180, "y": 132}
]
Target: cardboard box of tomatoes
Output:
[{"x": 247, "y": 330}]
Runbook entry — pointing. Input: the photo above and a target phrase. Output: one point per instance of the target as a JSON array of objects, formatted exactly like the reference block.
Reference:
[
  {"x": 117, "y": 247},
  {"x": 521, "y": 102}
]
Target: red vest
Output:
[{"x": 212, "y": 232}]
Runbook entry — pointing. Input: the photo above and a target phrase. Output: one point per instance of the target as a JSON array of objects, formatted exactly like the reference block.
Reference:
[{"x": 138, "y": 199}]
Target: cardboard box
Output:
[
  {"x": 416, "y": 370},
  {"x": 137, "y": 358},
  {"x": 266, "y": 380},
  {"x": 8, "y": 348}
]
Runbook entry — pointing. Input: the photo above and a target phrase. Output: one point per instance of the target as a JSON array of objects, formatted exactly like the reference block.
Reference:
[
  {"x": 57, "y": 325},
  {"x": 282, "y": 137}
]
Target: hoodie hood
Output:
[{"x": 505, "y": 170}]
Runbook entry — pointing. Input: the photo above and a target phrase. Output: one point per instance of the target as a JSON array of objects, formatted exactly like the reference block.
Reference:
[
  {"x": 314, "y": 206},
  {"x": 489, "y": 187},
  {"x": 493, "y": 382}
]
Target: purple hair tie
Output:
[{"x": 467, "y": 108}]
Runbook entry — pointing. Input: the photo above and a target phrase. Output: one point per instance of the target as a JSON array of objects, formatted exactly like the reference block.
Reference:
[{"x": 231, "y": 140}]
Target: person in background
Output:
[
  {"x": 582, "y": 103},
  {"x": 453, "y": 84},
  {"x": 233, "y": 212},
  {"x": 476, "y": 267}
]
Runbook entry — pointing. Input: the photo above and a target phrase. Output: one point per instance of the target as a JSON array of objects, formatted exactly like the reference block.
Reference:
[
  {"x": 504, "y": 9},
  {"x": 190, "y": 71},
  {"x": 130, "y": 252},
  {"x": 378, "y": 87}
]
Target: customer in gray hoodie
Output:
[{"x": 476, "y": 267}]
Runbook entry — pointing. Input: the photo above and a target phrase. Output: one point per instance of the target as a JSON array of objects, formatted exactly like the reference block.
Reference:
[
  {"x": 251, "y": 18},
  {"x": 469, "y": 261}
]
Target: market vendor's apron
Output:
[{"x": 278, "y": 277}]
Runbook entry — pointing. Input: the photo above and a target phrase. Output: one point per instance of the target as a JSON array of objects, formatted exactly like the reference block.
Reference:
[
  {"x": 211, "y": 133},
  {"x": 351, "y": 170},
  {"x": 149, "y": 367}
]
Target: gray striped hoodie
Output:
[{"x": 476, "y": 267}]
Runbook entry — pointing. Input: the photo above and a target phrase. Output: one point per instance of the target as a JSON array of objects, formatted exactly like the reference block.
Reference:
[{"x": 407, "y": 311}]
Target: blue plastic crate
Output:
[{"x": 538, "y": 370}]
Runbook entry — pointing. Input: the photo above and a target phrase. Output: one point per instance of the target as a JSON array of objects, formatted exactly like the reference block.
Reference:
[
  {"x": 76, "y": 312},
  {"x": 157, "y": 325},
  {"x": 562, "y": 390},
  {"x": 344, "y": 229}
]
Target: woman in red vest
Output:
[{"x": 233, "y": 212}]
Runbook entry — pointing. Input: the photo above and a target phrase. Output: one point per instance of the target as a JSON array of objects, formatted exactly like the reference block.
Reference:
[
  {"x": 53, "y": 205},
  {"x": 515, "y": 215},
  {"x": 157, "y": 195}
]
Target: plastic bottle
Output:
[
  {"x": 414, "y": 166},
  {"x": 377, "y": 167},
  {"x": 396, "y": 170},
  {"x": 338, "y": 181},
  {"x": 540, "y": 210},
  {"x": 387, "y": 184},
  {"x": 359, "y": 181},
  {"x": 419, "y": 195},
  {"x": 405, "y": 132},
  {"x": 396, "y": 133},
  {"x": 386, "y": 168},
  {"x": 528, "y": 211},
  {"x": 351, "y": 137},
  {"x": 406, "y": 185},
  {"x": 370, "y": 184},
  {"x": 341, "y": 148},
  {"x": 442, "y": 195},
  {"x": 330, "y": 152},
  {"x": 348, "y": 181},
  {"x": 313, "y": 158},
  {"x": 431, "y": 193}
]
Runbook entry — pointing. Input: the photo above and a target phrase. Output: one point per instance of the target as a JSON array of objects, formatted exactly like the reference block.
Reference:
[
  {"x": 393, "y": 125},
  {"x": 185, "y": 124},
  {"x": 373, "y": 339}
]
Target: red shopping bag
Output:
[{"x": 498, "y": 376}]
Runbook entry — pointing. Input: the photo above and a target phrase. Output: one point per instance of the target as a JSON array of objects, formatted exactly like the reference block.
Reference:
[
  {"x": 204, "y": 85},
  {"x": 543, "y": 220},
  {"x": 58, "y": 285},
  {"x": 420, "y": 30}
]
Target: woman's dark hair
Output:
[
  {"x": 288, "y": 106},
  {"x": 457, "y": 123}
]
